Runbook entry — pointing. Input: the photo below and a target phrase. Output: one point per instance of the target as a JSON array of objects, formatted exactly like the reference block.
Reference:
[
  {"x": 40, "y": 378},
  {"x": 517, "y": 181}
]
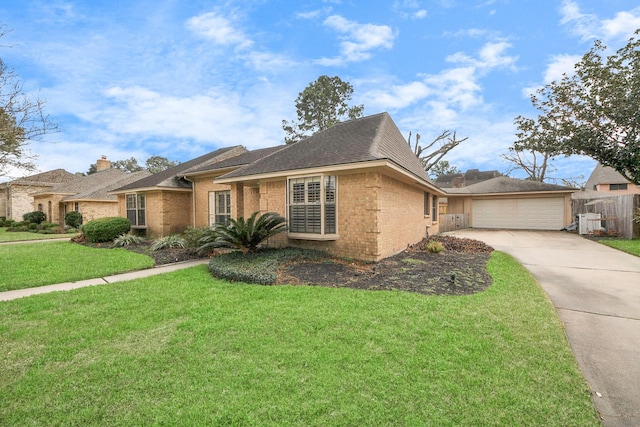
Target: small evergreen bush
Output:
[
  {"x": 73, "y": 219},
  {"x": 33, "y": 226},
  {"x": 105, "y": 229},
  {"x": 35, "y": 217},
  {"x": 258, "y": 267},
  {"x": 192, "y": 236}
]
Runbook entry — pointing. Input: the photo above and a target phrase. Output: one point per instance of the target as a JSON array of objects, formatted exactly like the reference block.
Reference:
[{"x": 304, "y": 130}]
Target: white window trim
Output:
[
  {"x": 213, "y": 213},
  {"x": 321, "y": 235}
]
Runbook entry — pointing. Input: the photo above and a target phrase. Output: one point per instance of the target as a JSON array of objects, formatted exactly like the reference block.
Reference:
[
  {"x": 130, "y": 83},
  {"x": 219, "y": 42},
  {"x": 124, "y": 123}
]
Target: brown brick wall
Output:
[
  {"x": 94, "y": 210},
  {"x": 203, "y": 186},
  {"x": 402, "y": 213}
]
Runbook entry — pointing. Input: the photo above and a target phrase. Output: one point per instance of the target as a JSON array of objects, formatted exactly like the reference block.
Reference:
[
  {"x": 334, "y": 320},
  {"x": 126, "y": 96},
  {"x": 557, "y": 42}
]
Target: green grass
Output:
[
  {"x": 629, "y": 246},
  {"x": 185, "y": 349},
  {"x": 37, "y": 264},
  {"x": 16, "y": 236}
]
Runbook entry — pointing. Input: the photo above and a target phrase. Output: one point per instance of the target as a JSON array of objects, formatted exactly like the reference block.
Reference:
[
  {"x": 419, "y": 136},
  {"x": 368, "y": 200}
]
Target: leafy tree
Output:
[
  {"x": 22, "y": 121},
  {"x": 593, "y": 112},
  {"x": 128, "y": 165},
  {"x": 155, "y": 164},
  {"x": 447, "y": 141},
  {"x": 244, "y": 235},
  {"x": 319, "y": 106},
  {"x": 442, "y": 168}
]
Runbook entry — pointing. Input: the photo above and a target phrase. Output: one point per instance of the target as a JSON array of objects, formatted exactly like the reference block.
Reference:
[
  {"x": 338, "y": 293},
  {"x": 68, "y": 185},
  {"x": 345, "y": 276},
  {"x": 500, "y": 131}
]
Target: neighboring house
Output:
[
  {"x": 606, "y": 179},
  {"x": 470, "y": 177},
  {"x": 86, "y": 194},
  {"x": 163, "y": 203},
  {"x": 356, "y": 190},
  {"x": 15, "y": 196},
  {"x": 509, "y": 203}
]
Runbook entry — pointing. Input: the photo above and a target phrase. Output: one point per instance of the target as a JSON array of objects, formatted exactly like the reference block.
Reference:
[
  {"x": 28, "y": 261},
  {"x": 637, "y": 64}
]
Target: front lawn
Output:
[
  {"x": 629, "y": 246},
  {"x": 37, "y": 264},
  {"x": 16, "y": 236},
  {"x": 185, "y": 349}
]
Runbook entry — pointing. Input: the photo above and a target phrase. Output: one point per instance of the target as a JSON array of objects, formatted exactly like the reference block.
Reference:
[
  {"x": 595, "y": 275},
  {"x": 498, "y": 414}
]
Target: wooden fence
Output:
[
  {"x": 452, "y": 222},
  {"x": 616, "y": 213}
]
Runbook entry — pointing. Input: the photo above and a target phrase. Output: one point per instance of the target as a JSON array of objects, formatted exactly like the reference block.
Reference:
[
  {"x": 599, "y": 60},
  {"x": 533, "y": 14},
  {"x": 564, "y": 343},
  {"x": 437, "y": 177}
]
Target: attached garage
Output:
[
  {"x": 543, "y": 213},
  {"x": 510, "y": 203}
]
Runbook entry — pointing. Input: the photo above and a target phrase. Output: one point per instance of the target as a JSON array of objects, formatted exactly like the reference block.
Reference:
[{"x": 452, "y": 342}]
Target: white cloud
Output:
[
  {"x": 490, "y": 56},
  {"x": 622, "y": 25},
  {"x": 398, "y": 96},
  {"x": 221, "y": 30},
  {"x": 589, "y": 26},
  {"x": 559, "y": 65},
  {"x": 358, "y": 40}
]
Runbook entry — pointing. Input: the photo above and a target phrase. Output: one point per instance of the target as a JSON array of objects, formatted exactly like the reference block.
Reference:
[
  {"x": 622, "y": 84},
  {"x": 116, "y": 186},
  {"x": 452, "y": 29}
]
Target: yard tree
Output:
[
  {"x": 432, "y": 153},
  {"x": 22, "y": 121},
  {"x": 319, "y": 106},
  {"x": 154, "y": 164},
  {"x": 593, "y": 112},
  {"x": 442, "y": 168}
]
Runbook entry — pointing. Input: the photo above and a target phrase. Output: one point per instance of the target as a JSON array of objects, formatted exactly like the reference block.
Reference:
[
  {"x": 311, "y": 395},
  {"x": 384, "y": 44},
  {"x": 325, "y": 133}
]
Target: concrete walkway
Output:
[
  {"x": 9, "y": 295},
  {"x": 596, "y": 292}
]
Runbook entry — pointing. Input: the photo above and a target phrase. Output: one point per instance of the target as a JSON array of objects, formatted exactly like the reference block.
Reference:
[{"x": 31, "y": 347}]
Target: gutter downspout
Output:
[{"x": 193, "y": 200}]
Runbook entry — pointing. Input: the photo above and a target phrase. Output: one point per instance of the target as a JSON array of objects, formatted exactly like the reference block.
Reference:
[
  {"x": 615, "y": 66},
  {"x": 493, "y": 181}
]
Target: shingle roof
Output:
[
  {"x": 237, "y": 161},
  {"x": 355, "y": 141},
  {"x": 51, "y": 177},
  {"x": 503, "y": 184},
  {"x": 172, "y": 177},
  {"x": 85, "y": 183},
  {"x": 101, "y": 192},
  {"x": 604, "y": 175}
]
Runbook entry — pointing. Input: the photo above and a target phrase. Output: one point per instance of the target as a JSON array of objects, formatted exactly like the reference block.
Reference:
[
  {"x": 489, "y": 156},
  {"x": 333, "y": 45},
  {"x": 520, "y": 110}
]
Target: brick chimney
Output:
[{"x": 103, "y": 164}]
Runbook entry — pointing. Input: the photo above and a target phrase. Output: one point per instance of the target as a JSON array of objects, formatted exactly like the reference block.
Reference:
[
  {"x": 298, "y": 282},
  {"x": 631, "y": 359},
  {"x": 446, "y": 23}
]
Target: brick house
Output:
[
  {"x": 88, "y": 195},
  {"x": 163, "y": 203},
  {"x": 16, "y": 196},
  {"x": 356, "y": 190}
]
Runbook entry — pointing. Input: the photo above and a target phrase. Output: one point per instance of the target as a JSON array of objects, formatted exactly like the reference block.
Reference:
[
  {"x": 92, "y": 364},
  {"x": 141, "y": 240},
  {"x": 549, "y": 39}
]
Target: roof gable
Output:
[
  {"x": 101, "y": 191},
  {"x": 48, "y": 178},
  {"x": 355, "y": 141},
  {"x": 604, "y": 175},
  {"x": 173, "y": 177},
  {"x": 237, "y": 161}
]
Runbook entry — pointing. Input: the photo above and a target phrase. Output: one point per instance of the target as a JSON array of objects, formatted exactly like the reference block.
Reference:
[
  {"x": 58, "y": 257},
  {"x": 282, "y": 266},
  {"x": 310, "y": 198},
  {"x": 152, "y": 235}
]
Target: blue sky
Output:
[{"x": 182, "y": 78}]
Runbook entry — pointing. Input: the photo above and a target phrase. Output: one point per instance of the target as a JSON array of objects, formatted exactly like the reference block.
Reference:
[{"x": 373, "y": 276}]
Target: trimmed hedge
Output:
[
  {"x": 105, "y": 229},
  {"x": 35, "y": 217},
  {"x": 73, "y": 219},
  {"x": 260, "y": 267}
]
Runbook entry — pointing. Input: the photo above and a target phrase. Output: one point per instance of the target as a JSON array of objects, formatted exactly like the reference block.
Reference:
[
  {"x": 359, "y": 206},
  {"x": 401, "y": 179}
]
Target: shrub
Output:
[
  {"x": 9, "y": 222},
  {"x": 434, "y": 247},
  {"x": 73, "y": 219},
  {"x": 172, "y": 241},
  {"x": 3, "y": 219},
  {"x": 105, "y": 229},
  {"x": 47, "y": 225},
  {"x": 32, "y": 226},
  {"x": 244, "y": 235},
  {"x": 128, "y": 239},
  {"x": 258, "y": 267},
  {"x": 192, "y": 236},
  {"x": 16, "y": 227},
  {"x": 35, "y": 217}
]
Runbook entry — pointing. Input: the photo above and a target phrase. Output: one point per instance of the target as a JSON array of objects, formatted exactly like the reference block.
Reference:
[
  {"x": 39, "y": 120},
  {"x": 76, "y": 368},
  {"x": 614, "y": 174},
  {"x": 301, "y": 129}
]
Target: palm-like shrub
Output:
[
  {"x": 168, "y": 242},
  {"x": 244, "y": 235}
]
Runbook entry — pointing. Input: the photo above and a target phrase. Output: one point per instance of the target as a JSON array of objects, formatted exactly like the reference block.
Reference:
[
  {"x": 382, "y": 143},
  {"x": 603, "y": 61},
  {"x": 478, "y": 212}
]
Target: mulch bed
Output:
[{"x": 459, "y": 270}]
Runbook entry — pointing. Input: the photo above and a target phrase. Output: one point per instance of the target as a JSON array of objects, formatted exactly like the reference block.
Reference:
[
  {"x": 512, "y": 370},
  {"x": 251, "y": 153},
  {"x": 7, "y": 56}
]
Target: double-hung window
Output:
[
  {"x": 312, "y": 206},
  {"x": 136, "y": 210},
  {"x": 219, "y": 207}
]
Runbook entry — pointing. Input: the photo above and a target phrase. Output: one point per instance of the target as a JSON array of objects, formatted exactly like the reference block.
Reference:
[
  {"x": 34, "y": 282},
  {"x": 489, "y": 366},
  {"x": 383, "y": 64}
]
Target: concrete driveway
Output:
[{"x": 596, "y": 292}]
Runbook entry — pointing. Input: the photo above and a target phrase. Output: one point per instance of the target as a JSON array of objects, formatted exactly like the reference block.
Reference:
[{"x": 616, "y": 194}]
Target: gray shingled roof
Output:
[
  {"x": 101, "y": 192},
  {"x": 85, "y": 183},
  {"x": 604, "y": 175},
  {"x": 355, "y": 141},
  {"x": 51, "y": 177},
  {"x": 503, "y": 184},
  {"x": 172, "y": 177},
  {"x": 237, "y": 161}
]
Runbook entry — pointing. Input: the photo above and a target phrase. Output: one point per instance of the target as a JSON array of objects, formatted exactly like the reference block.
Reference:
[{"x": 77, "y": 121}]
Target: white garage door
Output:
[{"x": 529, "y": 214}]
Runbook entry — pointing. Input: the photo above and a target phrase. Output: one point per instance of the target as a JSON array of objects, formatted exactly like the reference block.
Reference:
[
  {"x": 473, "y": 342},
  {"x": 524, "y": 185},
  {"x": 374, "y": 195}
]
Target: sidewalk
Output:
[{"x": 10, "y": 295}]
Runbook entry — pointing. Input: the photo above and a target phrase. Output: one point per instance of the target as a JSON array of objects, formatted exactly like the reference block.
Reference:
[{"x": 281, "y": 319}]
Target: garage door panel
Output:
[{"x": 526, "y": 214}]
